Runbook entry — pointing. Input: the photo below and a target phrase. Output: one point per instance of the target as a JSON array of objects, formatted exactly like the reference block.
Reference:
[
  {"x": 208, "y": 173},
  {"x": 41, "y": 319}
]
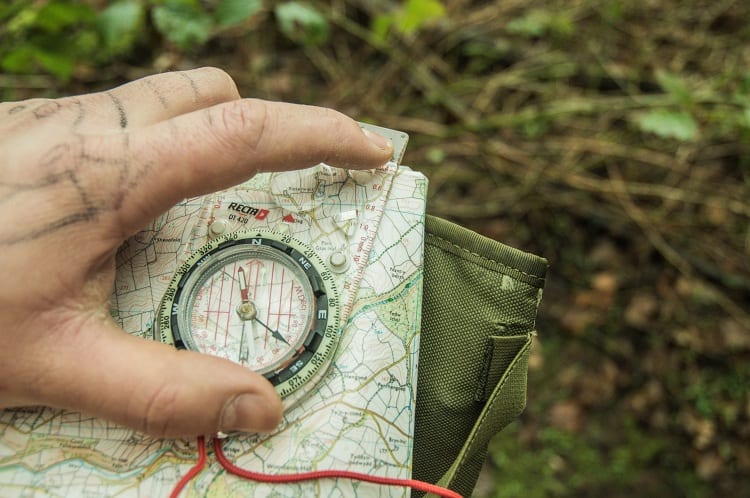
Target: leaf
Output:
[
  {"x": 184, "y": 24},
  {"x": 58, "y": 64},
  {"x": 436, "y": 155},
  {"x": 119, "y": 25},
  {"x": 233, "y": 12},
  {"x": 532, "y": 25},
  {"x": 669, "y": 124},
  {"x": 20, "y": 22},
  {"x": 745, "y": 117},
  {"x": 675, "y": 86},
  {"x": 381, "y": 25},
  {"x": 417, "y": 13},
  {"x": 302, "y": 23},
  {"x": 56, "y": 16},
  {"x": 18, "y": 60}
]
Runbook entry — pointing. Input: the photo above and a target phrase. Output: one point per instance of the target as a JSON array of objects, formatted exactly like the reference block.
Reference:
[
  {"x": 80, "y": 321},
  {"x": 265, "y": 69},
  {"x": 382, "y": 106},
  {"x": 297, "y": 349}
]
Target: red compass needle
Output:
[{"x": 244, "y": 293}]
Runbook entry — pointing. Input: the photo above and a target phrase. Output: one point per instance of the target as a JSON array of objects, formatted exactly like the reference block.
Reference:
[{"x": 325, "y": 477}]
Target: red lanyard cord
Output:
[
  {"x": 303, "y": 476},
  {"x": 327, "y": 474},
  {"x": 194, "y": 471}
]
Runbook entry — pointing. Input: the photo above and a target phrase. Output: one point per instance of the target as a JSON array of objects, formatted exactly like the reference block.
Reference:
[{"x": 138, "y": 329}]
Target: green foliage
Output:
[
  {"x": 409, "y": 18},
  {"x": 233, "y": 12},
  {"x": 302, "y": 23},
  {"x": 435, "y": 155},
  {"x": 184, "y": 23},
  {"x": 539, "y": 22},
  {"x": 52, "y": 36},
  {"x": 120, "y": 24},
  {"x": 563, "y": 463},
  {"x": 675, "y": 86},
  {"x": 57, "y": 35},
  {"x": 669, "y": 124},
  {"x": 745, "y": 118},
  {"x": 188, "y": 24}
]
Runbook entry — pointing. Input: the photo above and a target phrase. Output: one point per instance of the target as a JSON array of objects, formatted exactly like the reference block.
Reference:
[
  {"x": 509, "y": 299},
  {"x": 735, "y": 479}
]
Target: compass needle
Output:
[
  {"x": 274, "y": 333},
  {"x": 244, "y": 348},
  {"x": 244, "y": 293}
]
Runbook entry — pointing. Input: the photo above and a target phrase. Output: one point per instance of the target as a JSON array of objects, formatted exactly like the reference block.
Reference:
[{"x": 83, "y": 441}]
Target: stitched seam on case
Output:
[
  {"x": 511, "y": 367},
  {"x": 481, "y": 392},
  {"x": 503, "y": 265}
]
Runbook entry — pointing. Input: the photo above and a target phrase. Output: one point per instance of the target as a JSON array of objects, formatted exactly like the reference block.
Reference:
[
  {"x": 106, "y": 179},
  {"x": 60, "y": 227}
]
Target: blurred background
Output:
[{"x": 613, "y": 138}]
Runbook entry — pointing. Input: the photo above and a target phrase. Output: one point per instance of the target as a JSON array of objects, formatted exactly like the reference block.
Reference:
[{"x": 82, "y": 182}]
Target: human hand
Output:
[{"x": 78, "y": 175}]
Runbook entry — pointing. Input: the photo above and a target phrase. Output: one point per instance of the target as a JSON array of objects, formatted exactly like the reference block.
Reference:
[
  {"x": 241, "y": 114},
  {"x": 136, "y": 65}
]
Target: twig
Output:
[
  {"x": 660, "y": 191},
  {"x": 419, "y": 74},
  {"x": 26, "y": 81},
  {"x": 665, "y": 249}
]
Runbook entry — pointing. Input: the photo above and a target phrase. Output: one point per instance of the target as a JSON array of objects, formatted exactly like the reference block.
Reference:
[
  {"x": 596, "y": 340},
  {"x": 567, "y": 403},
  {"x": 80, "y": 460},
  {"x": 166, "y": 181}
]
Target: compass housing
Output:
[{"x": 296, "y": 286}]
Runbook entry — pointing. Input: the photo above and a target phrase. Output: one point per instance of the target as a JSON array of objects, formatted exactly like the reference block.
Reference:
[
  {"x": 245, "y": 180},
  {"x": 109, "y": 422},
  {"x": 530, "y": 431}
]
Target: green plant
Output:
[
  {"x": 409, "y": 17},
  {"x": 51, "y": 36},
  {"x": 55, "y": 36}
]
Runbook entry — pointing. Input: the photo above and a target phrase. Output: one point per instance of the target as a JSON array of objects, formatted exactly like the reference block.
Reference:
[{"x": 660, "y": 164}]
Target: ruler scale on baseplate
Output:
[
  {"x": 366, "y": 234},
  {"x": 351, "y": 284}
]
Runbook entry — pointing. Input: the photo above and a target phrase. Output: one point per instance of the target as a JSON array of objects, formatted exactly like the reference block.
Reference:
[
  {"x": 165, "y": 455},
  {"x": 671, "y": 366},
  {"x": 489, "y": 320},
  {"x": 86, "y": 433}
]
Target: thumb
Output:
[{"x": 157, "y": 389}]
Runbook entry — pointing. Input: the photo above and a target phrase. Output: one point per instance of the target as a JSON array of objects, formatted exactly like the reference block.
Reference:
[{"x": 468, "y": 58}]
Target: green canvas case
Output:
[{"x": 479, "y": 309}]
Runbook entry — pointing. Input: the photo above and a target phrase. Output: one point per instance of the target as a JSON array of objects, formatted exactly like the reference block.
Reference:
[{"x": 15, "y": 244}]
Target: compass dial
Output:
[{"x": 260, "y": 299}]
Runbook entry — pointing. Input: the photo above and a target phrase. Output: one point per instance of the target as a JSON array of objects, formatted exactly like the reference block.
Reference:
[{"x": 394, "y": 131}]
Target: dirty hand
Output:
[{"x": 78, "y": 175}]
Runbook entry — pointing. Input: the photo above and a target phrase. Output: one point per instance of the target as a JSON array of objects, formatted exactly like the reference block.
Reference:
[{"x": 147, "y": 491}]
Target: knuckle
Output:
[
  {"x": 336, "y": 120},
  {"x": 243, "y": 124},
  {"x": 23, "y": 116},
  {"x": 58, "y": 163},
  {"x": 212, "y": 85},
  {"x": 160, "y": 412},
  {"x": 46, "y": 108},
  {"x": 220, "y": 80},
  {"x": 335, "y": 129}
]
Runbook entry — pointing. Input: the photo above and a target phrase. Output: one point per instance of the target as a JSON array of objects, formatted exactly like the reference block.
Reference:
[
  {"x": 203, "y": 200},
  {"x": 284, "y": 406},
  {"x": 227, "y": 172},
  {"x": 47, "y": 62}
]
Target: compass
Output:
[{"x": 261, "y": 299}]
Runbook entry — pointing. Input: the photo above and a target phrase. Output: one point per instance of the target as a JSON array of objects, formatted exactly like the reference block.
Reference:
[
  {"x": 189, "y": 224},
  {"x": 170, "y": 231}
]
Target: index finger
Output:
[{"x": 223, "y": 145}]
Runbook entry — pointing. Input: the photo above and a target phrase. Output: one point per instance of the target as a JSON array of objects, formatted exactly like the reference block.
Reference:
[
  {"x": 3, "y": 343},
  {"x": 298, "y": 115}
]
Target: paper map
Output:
[{"x": 360, "y": 416}]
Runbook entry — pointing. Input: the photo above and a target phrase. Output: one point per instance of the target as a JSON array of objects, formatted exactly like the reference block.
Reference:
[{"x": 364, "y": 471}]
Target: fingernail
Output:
[
  {"x": 380, "y": 142},
  {"x": 247, "y": 413}
]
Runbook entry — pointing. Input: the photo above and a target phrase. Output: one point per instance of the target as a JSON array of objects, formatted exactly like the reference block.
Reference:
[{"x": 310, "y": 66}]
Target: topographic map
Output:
[{"x": 360, "y": 415}]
